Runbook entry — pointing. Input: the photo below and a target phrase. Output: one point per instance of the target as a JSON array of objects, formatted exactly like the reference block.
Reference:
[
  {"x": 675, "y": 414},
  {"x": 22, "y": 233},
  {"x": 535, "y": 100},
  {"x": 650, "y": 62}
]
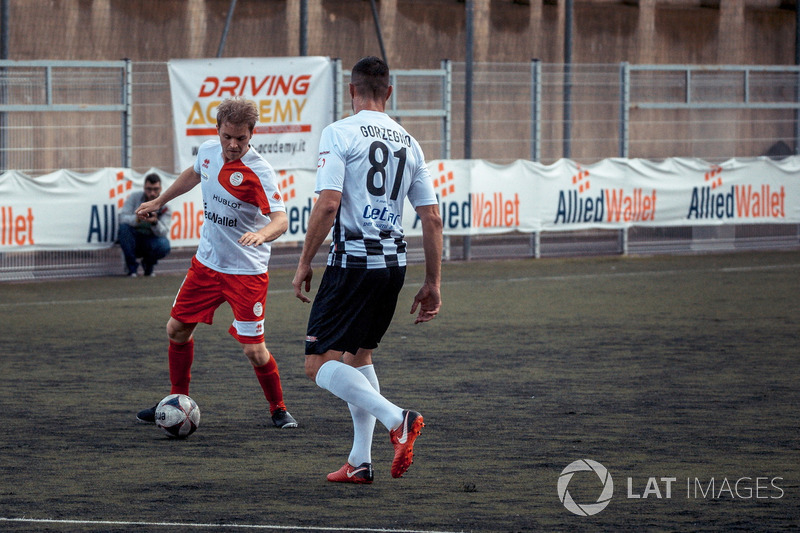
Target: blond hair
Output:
[{"x": 237, "y": 111}]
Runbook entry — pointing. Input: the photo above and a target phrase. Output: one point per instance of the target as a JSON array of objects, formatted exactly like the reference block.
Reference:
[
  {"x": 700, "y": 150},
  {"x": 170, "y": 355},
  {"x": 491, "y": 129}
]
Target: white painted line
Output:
[{"x": 202, "y": 525}]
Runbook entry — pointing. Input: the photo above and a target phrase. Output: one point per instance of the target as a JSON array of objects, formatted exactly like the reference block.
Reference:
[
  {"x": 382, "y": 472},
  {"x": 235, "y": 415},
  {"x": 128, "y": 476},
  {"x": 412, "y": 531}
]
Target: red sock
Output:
[
  {"x": 180, "y": 366},
  {"x": 270, "y": 380}
]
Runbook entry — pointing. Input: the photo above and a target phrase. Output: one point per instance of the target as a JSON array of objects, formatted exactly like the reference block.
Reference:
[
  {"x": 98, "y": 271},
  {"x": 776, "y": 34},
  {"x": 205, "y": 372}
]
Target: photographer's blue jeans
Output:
[{"x": 135, "y": 244}]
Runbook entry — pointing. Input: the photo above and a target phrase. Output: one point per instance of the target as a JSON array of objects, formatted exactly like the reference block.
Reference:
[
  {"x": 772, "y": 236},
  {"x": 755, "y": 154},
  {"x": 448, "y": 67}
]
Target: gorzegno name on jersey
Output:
[{"x": 387, "y": 134}]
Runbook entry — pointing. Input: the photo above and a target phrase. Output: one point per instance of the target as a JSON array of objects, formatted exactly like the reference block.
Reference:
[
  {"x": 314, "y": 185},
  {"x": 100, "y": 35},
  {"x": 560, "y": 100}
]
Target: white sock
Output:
[
  {"x": 352, "y": 386},
  {"x": 363, "y": 423}
]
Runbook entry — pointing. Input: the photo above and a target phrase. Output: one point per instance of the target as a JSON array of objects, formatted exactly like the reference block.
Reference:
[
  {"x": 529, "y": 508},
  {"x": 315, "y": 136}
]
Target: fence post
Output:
[
  {"x": 378, "y": 31},
  {"x": 797, "y": 99},
  {"x": 392, "y": 103},
  {"x": 468, "y": 80},
  {"x": 468, "y": 74},
  {"x": 338, "y": 80},
  {"x": 536, "y": 110},
  {"x": 447, "y": 122},
  {"x": 447, "y": 105},
  {"x": 624, "y": 131},
  {"x": 225, "y": 29},
  {"x": 568, "y": 79},
  {"x": 623, "y": 241},
  {"x": 688, "y": 77},
  {"x": 303, "y": 28},
  {"x": 127, "y": 115},
  {"x": 536, "y": 135},
  {"x": 4, "y": 41},
  {"x": 536, "y": 244},
  {"x": 624, "y": 108},
  {"x": 797, "y": 83}
]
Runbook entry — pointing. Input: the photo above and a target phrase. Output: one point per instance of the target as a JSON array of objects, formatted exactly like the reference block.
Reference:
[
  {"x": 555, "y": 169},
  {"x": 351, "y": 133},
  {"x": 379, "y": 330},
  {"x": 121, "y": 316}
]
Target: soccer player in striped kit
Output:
[
  {"x": 368, "y": 164},
  {"x": 244, "y": 212}
]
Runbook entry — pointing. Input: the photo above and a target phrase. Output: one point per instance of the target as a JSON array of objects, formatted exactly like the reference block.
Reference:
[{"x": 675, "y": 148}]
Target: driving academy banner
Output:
[
  {"x": 294, "y": 97},
  {"x": 70, "y": 211}
]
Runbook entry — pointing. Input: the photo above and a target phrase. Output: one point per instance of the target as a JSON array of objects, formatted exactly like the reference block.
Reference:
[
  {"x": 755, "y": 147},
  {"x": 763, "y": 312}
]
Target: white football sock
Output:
[
  {"x": 352, "y": 386},
  {"x": 363, "y": 423}
]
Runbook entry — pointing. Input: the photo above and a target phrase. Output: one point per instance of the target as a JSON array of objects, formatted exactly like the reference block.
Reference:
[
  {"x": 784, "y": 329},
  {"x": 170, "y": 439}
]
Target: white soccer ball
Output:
[{"x": 178, "y": 415}]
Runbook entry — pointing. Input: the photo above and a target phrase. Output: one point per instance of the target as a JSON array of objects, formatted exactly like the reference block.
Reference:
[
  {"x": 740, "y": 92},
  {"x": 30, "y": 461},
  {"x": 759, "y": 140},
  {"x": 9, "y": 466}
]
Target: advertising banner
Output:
[
  {"x": 477, "y": 197},
  {"x": 71, "y": 211},
  {"x": 294, "y": 97}
]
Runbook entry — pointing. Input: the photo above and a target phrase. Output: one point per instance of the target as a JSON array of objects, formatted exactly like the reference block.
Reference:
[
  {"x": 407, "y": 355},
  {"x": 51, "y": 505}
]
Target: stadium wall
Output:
[{"x": 416, "y": 33}]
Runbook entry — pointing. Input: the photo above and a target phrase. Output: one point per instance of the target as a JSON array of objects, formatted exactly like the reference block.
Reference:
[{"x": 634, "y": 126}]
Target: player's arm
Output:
[
  {"x": 319, "y": 225},
  {"x": 187, "y": 180},
  {"x": 277, "y": 226},
  {"x": 429, "y": 299}
]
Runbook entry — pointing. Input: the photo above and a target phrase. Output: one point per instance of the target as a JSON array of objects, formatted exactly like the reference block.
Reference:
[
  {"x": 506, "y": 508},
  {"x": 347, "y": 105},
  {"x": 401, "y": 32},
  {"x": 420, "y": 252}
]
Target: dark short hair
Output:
[
  {"x": 152, "y": 178},
  {"x": 370, "y": 76},
  {"x": 237, "y": 111}
]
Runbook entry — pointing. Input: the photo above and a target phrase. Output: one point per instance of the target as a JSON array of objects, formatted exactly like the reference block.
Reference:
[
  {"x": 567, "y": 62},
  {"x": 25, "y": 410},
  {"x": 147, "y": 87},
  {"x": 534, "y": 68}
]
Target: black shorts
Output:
[{"x": 353, "y": 308}]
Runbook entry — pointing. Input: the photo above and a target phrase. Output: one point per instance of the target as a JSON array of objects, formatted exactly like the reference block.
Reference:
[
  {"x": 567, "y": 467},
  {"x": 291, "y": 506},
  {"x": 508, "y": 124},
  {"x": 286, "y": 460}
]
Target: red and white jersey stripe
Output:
[{"x": 238, "y": 197}]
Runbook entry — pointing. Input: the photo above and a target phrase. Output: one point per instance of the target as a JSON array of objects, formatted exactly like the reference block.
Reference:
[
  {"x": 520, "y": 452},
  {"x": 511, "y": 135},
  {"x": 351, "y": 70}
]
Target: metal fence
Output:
[
  {"x": 88, "y": 115},
  {"x": 544, "y": 112},
  {"x": 66, "y": 114}
]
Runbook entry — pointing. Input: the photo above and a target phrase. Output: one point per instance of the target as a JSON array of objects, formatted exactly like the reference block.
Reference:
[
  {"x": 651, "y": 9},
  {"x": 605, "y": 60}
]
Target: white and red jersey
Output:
[
  {"x": 375, "y": 164},
  {"x": 238, "y": 197}
]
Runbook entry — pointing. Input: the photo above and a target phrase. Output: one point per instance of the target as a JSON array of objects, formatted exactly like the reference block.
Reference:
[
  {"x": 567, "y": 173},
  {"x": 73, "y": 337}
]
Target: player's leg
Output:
[
  {"x": 358, "y": 468},
  {"x": 363, "y": 421},
  {"x": 197, "y": 299},
  {"x": 350, "y": 385},
  {"x": 266, "y": 370},
  {"x": 247, "y": 297},
  {"x": 180, "y": 355},
  {"x": 351, "y": 313}
]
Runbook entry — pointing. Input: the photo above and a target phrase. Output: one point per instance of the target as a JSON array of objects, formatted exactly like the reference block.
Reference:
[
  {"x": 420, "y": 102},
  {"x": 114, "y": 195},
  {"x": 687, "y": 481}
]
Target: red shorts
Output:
[{"x": 204, "y": 289}]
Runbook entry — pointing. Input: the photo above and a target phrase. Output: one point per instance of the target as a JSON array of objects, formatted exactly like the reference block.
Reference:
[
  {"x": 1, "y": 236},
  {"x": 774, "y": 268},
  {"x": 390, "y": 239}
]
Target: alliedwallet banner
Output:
[{"x": 67, "y": 210}]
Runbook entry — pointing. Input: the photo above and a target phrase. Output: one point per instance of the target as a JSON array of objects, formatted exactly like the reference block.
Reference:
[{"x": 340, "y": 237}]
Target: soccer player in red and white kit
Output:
[
  {"x": 244, "y": 212},
  {"x": 368, "y": 164}
]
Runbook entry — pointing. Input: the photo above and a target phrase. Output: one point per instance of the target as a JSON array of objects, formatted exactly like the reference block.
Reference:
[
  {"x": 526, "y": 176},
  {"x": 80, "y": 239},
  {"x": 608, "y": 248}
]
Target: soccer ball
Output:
[{"x": 178, "y": 415}]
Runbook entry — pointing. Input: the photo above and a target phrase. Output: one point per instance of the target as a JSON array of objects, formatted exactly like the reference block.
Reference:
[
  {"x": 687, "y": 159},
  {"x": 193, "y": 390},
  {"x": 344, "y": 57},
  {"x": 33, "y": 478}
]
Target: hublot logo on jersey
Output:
[{"x": 227, "y": 203}]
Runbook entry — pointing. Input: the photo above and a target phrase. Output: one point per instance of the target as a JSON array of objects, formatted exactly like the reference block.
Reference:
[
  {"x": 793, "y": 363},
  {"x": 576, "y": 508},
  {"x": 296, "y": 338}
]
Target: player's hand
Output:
[
  {"x": 147, "y": 212},
  {"x": 301, "y": 281},
  {"x": 251, "y": 239},
  {"x": 429, "y": 301}
]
